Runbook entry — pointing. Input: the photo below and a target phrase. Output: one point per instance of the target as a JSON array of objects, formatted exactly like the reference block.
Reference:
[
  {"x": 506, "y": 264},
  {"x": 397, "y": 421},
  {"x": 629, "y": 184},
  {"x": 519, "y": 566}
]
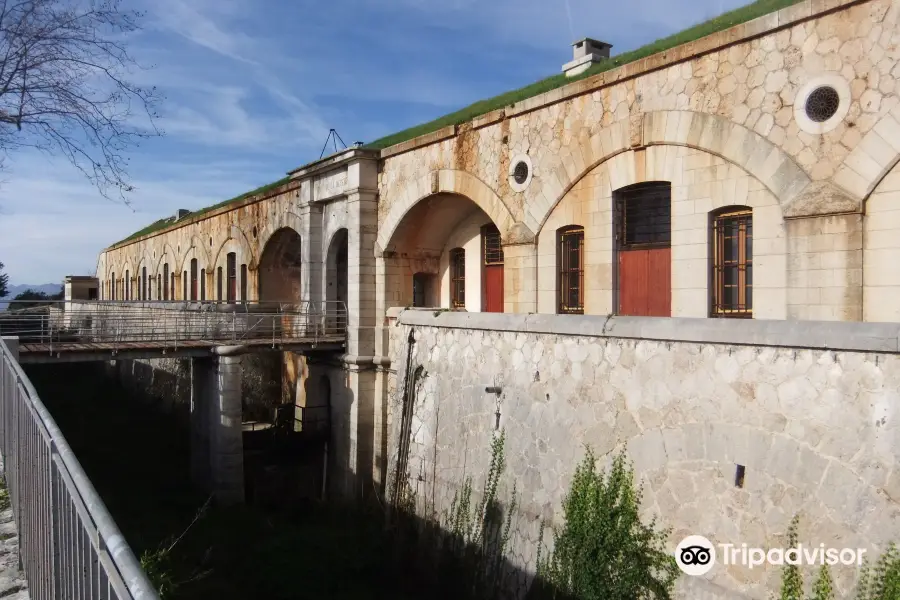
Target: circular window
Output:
[
  {"x": 822, "y": 103},
  {"x": 520, "y": 173}
]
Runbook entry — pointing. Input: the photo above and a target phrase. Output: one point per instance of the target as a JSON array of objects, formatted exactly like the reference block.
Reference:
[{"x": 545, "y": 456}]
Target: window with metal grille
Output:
[
  {"x": 127, "y": 285},
  {"x": 492, "y": 247},
  {"x": 158, "y": 286},
  {"x": 184, "y": 285},
  {"x": 644, "y": 214},
  {"x": 244, "y": 298},
  {"x": 193, "y": 280},
  {"x": 219, "y": 284},
  {"x": 145, "y": 289},
  {"x": 172, "y": 286},
  {"x": 202, "y": 285},
  {"x": 732, "y": 262},
  {"x": 420, "y": 289},
  {"x": 458, "y": 278},
  {"x": 231, "y": 266},
  {"x": 165, "y": 281},
  {"x": 570, "y": 267}
]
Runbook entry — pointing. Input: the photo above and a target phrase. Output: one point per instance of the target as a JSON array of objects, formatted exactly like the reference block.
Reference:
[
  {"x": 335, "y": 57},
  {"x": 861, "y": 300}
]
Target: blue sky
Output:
[{"x": 253, "y": 86}]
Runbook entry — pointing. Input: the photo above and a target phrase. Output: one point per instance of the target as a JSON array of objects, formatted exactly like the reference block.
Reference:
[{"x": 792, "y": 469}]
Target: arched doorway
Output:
[
  {"x": 336, "y": 284},
  {"x": 280, "y": 268}
]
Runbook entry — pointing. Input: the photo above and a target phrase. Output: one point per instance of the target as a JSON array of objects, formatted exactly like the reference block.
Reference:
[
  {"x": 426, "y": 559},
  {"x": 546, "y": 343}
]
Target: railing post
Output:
[{"x": 55, "y": 527}]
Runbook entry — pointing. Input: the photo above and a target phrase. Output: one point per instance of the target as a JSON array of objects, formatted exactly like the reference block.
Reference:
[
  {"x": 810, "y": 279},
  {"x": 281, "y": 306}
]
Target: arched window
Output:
[
  {"x": 732, "y": 262},
  {"x": 184, "y": 285},
  {"x": 244, "y": 286},
  {"x": 231, "y": 264},
  {"x": 458, "y": 278},
  {"x": 145, "y": 289},
  {"x": 219, "y": 284},
  {"x": 172, "y": 286},
  {"x": 165, "y": 279},
  {"x": 570, "y": 269},
  {"x": 202, "y": 285},
  {"x": 193, "y": 280},
  {"x": 127, "y": 285},
  {"x": 158, "y": 286},
  {"x": 112, "y": 286}
]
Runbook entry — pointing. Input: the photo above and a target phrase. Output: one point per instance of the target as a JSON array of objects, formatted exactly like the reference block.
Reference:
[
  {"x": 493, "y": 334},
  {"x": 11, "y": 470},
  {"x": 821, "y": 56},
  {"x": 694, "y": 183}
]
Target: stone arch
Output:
[
  {"x": 452, "y": 181},
  {"x": 280, "y": 220},
  {"x": 167, "y": 251},
  {"x": 873, "y": 158},
  {"x": 236, "y": 242},
  {"x": 279, "y": 274},
  {"x": 716, "y": 135},
  {"x": 195, "y": 250},
  {"x": 589, "y": 204},
  {"x": 336, "y": 277}
]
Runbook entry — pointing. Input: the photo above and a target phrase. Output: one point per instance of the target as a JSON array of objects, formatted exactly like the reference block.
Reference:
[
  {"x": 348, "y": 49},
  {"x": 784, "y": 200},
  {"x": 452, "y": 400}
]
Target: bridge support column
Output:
[{"x": 217, "y": 449}]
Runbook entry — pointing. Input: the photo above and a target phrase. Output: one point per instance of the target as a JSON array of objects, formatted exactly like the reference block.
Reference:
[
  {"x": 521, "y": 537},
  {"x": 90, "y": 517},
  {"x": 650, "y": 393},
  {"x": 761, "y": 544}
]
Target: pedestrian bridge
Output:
[
  {"x": 74, "y": 331},
  {"x": 69, "y": 545}
]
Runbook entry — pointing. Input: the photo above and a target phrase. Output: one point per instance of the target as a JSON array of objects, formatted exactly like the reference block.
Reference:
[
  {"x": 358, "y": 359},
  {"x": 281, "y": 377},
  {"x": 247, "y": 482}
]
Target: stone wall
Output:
[{"x": 808, "y": 408}]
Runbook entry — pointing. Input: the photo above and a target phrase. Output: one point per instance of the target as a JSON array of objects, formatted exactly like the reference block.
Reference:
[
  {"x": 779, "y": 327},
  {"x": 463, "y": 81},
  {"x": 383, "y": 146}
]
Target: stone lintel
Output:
[{"x": 830, "y": 335}]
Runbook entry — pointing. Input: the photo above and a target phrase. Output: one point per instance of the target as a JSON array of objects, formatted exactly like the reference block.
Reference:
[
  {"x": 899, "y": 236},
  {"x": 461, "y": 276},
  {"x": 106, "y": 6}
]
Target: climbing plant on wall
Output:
[{"x": 603, "y": 549}]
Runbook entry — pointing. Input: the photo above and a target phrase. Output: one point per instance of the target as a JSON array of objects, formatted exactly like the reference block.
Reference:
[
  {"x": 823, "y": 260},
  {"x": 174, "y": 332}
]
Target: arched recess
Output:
[
  {"x": 274, "y": 224},
  {"x": 448, "y": 181},
  {"x": 196, "y": 250},
  {"x": 590, "y": 203},
  {"x": 280, "y": 264},
  {"x": 238, "y": 243},
  {"x": 881, "y": 251},
  {"x": 336, "y": 279},
  {"x": 769, "y": 164},
  {"x": 421, "y": 243}
]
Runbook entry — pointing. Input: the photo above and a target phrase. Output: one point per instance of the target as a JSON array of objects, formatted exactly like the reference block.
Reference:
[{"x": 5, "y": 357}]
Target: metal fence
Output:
[
  {"x": 69, "y": 546},
  {"x": 169, "y": 323}
]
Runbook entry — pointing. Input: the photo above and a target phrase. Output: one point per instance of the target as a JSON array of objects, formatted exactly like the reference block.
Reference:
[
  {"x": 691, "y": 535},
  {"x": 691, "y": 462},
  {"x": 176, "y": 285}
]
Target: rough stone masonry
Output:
[{"x": 808, "y": 409}]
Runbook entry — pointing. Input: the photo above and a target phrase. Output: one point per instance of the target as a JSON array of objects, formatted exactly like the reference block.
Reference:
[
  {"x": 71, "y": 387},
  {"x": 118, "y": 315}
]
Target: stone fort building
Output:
[{"x": 694, "y": 255}]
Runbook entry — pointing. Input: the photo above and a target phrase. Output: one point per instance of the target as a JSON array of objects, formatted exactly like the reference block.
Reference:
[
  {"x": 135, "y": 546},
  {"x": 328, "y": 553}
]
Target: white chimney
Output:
[{"x": 586, "y": 52}]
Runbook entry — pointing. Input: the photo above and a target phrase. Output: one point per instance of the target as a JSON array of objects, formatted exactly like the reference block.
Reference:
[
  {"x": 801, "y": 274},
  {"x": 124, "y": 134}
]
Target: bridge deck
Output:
[{"x": 34, "y": 352}]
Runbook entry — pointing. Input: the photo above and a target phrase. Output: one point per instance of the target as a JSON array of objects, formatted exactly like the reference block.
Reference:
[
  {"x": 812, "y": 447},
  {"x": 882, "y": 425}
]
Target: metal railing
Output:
[
  {"x": 69, "y": 546},
  {"x": 167, "y": 324}
]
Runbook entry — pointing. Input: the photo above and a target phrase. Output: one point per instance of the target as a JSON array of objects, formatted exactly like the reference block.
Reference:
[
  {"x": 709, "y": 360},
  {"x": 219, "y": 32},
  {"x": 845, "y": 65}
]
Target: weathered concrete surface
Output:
[{"x": 815, "y": 424}]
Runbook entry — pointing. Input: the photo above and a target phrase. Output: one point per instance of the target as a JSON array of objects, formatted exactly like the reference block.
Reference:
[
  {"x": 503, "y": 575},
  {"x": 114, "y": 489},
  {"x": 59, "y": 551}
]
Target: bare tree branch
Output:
[{"x": 64, "y": 86}]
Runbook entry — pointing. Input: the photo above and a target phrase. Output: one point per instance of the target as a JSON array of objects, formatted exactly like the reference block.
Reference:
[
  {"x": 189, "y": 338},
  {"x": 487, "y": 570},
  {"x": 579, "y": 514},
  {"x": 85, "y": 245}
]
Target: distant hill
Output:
[{"x": 15, "y": 290}]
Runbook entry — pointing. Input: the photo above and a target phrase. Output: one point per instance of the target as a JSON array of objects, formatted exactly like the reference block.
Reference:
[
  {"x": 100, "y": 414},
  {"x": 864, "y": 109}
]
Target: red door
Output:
[
  {"x": 493, "y": 288},
  {"x": 492, "y": 270},
  {"x": 645, "y": 282}
]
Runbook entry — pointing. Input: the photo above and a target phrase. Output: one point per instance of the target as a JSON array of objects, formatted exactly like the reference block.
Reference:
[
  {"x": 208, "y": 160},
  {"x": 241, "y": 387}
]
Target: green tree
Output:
[
  {"x": 4, "y": 282},
  {"x": 30, "y": 298},
  {"x": 604, "y": 551}
]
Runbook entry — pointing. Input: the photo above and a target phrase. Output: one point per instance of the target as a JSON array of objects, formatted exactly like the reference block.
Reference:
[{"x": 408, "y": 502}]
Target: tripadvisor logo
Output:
[{"x": 696, "y": 555}]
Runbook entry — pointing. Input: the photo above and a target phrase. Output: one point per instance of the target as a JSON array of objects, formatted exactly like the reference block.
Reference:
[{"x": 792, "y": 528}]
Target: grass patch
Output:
[
  {"x": 464, "y": 115},
  {"x": 163, "y": 223},
  {"x": 720, "y": 23}
]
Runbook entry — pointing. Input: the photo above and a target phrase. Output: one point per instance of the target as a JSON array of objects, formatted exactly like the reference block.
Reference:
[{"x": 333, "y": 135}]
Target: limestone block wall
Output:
[
  {"x": 881, "y": 250},
  {"x": 810, "y": 409}
]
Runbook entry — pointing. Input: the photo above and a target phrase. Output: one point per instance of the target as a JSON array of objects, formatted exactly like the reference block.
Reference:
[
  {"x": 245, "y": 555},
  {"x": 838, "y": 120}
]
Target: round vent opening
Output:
[
  {"x": 520, "y": 173},
  {"x": 822, "y": 104}
]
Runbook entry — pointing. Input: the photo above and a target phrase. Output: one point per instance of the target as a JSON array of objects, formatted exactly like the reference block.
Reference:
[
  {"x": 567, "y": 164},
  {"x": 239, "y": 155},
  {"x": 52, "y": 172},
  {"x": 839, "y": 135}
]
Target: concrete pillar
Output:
[
  {"x": 519, "y": 281},
  {"x": 313, "y": 258},
  {"x": 217, "y": 449}
]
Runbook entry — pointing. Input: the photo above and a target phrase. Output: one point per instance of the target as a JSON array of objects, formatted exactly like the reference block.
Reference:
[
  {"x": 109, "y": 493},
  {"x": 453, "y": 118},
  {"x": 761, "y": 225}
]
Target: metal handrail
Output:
[
  {"x": 69, "y": 544},
  {"x": 115, "y": 323}
]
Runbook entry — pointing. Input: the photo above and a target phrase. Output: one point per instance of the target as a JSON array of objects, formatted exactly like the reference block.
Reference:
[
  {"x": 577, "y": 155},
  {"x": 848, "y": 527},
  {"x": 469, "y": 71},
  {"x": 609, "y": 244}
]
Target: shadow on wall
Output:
[{"x": 165, "y": 383}]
